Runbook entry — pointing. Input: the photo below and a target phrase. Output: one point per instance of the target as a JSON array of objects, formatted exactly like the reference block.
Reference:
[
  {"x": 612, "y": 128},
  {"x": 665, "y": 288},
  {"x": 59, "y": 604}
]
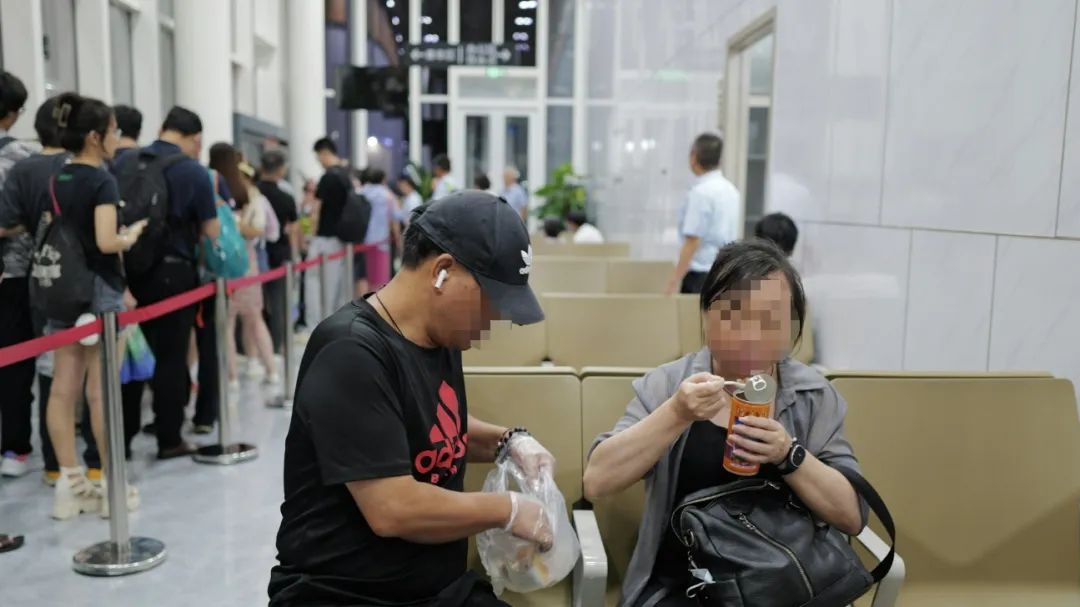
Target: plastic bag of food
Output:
[{"x": 517, "y": 564}]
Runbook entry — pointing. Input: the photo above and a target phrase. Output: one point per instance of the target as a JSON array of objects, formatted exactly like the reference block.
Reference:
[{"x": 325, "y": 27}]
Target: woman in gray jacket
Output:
[{"x": 674, "y": 431}]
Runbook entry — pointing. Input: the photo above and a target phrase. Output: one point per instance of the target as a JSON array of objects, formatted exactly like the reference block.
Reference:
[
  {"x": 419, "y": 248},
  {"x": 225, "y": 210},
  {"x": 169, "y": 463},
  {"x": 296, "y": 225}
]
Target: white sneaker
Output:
[
  {"x": 14, "y": 465},
  {"x": 273, "y": 379},
  {"x": 133, "y": 498},
  {"x": 255, "y": 370},
  {"x": 234, "y": 385},
  {"x": 74, "y": 494}
]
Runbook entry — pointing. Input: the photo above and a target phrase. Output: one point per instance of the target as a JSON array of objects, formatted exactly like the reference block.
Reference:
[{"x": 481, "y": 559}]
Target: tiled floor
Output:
[{"x": 217, "y": 522}]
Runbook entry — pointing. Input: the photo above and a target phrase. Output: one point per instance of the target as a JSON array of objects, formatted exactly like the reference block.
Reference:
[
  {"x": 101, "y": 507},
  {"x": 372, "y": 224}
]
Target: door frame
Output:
[
  {"x": 737, "y": 102},
  {"x": 496, "y": 160}
]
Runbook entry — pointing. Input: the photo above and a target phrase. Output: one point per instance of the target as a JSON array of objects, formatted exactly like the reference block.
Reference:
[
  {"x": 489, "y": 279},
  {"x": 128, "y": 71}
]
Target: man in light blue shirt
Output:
[
  {"x": 709, "y": 218},
  {"x": 514, "y": 193}
]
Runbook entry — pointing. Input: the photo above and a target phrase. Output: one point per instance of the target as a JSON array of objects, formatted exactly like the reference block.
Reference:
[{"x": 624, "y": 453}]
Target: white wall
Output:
[
  {"x": 654, "y": 74},
  {"x": 929, "y": 152},
  {"x": 205, "y": 62}
]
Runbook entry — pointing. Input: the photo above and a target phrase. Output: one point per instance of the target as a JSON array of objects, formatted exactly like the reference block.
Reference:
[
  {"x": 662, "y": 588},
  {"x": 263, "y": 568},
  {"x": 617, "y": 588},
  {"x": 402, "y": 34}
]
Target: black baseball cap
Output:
[{"x": 486, "y": 235}]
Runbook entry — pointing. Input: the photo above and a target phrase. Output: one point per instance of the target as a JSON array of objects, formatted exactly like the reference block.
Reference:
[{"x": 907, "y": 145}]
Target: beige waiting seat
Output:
[
  {"x": 691, "y": 332},
  {"x": 637, "y": 275},
  {"x": 607, "y": 249},
  {"x": 563, "y": 274},
  {"x": 546, "y": 400},
  {"x": 614, "y": 330},
  {"x": 508, "y": 345},
  {"x": 837, "y": 374},
  {"x": 605, "y": 393},
  {"x": 982, "y": 475},
  {"x": 804, "y": 348}
]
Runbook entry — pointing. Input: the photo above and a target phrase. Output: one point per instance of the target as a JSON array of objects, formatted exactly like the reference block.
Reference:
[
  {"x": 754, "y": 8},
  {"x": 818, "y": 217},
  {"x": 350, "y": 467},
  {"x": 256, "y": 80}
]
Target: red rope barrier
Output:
[
  {"x": 247, "y": 281},
  {"x": 166, "y": 306},
  {"x": 40, "y": 345},
  {"x": 35, "y": 347}
]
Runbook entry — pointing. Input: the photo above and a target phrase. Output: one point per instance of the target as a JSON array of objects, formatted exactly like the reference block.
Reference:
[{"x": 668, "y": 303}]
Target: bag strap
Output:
[
  {"x": 877, "y": 505},
  {"x": 52, "y": 195},
  {"x": 5, "y": 140}
]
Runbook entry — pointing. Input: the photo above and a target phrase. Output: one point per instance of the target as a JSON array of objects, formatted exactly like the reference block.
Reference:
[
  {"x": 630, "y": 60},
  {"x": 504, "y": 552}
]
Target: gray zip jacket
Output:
[{"x": 807, "y": 405}]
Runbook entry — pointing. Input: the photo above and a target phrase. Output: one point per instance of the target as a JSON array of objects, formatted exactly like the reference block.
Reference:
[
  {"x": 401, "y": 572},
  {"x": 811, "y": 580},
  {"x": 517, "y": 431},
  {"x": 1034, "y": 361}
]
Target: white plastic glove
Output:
[
  {"x": 534, "y": 460},
  {"x": 529, "y": 521}
]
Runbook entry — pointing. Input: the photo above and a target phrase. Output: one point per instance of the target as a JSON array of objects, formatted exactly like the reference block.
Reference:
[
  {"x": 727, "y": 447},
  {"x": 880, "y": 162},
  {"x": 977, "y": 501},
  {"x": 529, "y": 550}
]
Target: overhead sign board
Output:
[{"x": 477, "y": 54}]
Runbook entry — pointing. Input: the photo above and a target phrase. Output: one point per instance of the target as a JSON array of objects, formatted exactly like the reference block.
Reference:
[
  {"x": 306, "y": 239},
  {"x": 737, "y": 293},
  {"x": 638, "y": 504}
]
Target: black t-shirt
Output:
[
  {"x": 285, "y": 210},
  {"x": 369, "y": 404},
  {"x": 333, "y": 190},
  {"x": 80, "y": 189}
]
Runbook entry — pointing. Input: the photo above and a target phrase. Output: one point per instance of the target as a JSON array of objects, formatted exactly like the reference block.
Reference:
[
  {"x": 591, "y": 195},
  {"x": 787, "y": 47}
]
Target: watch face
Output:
[{"x": 798, "y": 454}]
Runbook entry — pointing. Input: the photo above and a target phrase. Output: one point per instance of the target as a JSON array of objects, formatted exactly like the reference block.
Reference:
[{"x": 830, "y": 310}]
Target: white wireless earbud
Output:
[{"x": 442, "y": 277}]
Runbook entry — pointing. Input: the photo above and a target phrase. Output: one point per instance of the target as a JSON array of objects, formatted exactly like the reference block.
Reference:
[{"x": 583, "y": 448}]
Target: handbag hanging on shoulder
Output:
[{"x": 753, "y": 543}]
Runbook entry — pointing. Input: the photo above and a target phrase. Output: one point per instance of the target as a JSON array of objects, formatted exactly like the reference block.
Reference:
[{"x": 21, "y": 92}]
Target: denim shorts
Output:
[{"x": 105, "y": 299}]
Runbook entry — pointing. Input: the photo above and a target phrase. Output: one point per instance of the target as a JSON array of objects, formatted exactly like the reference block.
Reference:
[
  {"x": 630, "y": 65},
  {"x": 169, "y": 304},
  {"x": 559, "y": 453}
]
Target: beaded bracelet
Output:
[{"x": 500, "y": 447}]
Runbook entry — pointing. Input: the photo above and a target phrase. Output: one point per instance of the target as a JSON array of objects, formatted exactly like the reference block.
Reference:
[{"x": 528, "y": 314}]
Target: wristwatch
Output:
[{"x": 795, "y": 457}]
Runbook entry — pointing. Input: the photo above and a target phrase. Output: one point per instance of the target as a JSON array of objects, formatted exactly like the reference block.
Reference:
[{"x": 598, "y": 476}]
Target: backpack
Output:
[
  {"x": 61, "y": 282},
  {"x": 144, "y": 194},
  {"x": 355, "y": 215},
  {"x": 228, "y": 256}
]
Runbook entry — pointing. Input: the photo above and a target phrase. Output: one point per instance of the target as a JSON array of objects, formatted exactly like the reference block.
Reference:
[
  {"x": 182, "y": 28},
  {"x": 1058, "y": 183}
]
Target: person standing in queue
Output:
[
  {"x": 86, "y": 194},
  {"x": 192, "y": 215},
  {"x": 374, "y": 510},
  {"x": 327, "y": 205}
]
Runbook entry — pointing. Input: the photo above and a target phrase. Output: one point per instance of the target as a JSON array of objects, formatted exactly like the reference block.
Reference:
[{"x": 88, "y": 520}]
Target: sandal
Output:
[{"x": 10, "y": 542}]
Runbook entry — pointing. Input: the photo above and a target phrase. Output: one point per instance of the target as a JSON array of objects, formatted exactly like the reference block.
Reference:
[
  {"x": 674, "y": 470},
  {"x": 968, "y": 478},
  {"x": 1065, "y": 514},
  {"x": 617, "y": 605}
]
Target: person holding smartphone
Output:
[{"x": 87, "y": 195}]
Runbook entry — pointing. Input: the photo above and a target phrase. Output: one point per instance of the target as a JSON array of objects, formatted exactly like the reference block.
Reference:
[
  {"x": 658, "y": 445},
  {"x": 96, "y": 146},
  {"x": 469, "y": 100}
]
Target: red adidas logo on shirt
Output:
[{"x": 448, "y": 443}]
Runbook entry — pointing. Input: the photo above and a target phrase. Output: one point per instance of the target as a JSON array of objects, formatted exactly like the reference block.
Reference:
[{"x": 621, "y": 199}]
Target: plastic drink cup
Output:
[{"x": 755, "y": 400}]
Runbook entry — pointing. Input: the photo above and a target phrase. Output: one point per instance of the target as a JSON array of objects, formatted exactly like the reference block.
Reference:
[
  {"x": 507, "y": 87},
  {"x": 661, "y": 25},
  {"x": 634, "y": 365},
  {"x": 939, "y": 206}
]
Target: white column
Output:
[
  {"x": 203, "y": 66},
  {"x": 93, "y": 57},
  {"x": 358, "y": 30},
  {"x": 416, "y": 142},
  {"x": 146, "y": 67},
  {"x": 24, "y": 55},
  {"x": 580, "y": 132},
  {"x": 243, "y": 59},
  {"x": 306, "y": 25}
]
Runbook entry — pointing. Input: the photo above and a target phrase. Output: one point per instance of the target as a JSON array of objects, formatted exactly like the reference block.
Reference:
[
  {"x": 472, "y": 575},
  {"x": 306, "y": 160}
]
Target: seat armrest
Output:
[
  {"x": 888, "y": 589},
  {"x": 590, "y": 572}
]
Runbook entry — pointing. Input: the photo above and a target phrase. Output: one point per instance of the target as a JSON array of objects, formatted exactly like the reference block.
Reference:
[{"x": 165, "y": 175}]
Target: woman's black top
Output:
[{"x": 701, "y": 467}]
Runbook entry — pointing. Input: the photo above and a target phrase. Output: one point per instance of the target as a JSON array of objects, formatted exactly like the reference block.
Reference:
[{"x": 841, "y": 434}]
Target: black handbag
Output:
[
  {"x": 753, "y": 543},
  {"x": 61, "y": 284}
]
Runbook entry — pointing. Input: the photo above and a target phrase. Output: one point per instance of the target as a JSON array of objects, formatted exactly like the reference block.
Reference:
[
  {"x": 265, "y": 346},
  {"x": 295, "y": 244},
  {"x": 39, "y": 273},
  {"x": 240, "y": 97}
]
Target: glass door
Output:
[{"x": 488, "y": 141}]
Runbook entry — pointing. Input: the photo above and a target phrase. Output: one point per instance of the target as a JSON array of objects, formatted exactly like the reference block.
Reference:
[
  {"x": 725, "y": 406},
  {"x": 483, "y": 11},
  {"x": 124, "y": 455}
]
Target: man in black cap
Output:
[{"x": 374, "y": 510}]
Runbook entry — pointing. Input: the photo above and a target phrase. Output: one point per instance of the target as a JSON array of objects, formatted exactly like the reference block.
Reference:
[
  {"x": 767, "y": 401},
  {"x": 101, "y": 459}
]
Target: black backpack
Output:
[
  {"x": 61, "y": 281},
  {"x": 355, "y": 215},
  {"x": 144, "y": 194}
]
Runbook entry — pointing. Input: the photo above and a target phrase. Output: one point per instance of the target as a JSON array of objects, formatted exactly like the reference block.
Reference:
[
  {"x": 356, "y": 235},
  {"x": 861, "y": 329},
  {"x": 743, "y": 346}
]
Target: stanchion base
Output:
[
  {"x": 226, "y": 455},
  {"x": 104, "y": 559}
]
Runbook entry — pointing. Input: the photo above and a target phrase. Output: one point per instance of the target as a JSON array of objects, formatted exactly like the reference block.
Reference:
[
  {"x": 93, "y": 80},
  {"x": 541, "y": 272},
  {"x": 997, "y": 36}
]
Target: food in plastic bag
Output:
[{"x": 518, "y": 564}]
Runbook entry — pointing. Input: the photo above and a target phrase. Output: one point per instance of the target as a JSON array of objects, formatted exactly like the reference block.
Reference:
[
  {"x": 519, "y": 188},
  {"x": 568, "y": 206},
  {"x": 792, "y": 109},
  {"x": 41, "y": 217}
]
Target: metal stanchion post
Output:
[
  {"x": 122, "y": 554},
  {"x": 349, "y": 282},
  {"x": 324, "y": 303},
  {"x": 286, "y": 398},
  {"x": 225, "y": 452}
]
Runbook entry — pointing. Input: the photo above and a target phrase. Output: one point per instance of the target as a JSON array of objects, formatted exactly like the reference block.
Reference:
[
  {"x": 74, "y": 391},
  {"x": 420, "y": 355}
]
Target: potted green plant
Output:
[{"x": 565, "y": 193}]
